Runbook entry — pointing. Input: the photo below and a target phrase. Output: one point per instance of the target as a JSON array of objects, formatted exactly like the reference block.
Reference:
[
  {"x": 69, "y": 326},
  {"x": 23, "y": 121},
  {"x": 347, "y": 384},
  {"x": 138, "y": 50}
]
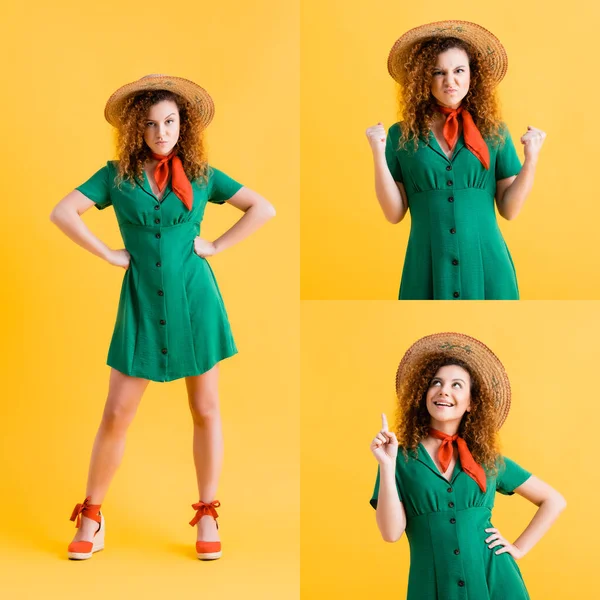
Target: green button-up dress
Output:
[
  {"x": 171, "y": 321},
  {"x": 445, "y": 527},
  {"x": 455, "y": 250}
]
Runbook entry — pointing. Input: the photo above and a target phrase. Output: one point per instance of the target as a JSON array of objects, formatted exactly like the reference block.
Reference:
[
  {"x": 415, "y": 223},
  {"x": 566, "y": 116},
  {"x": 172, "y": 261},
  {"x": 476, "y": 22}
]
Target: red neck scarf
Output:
[
  {"x": 179, "y": 181},
  {"x": 473, "y": 139},
  {"x": 467, "y": 462}
]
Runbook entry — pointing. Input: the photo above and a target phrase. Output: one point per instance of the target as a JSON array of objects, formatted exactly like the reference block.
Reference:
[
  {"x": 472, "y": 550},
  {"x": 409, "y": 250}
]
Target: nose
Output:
[{"x": 162, "y": 130}]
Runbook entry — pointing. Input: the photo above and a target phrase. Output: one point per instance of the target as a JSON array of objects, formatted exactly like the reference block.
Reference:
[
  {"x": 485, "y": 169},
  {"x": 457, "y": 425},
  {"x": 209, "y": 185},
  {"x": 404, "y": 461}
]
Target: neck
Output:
[
  {"x": 447, "y": 427},
  {"x": 451, "y": 106}
]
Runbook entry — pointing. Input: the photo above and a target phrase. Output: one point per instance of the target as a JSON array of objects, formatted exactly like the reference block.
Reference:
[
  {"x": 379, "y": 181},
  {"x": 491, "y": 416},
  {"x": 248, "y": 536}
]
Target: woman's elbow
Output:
[
  {"x": 507, "y": 214},
  {"x": 270, "y": 211},
  {"x": 265, "y": 209},
  {"x": 559, "y": 501},
  {"x": 394, "y": 218},
  {"x": 391, "y": 537},
  {"x": 55, "y": 215}
]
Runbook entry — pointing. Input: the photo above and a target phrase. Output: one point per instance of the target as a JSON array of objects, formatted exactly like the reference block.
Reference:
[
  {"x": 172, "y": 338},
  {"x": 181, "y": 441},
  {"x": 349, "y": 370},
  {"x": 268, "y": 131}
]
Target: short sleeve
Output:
[
  {"x": 507, "y": 161},
  {"x": 97, "y": 187},
  {"x": 221, "y": 187},
  {"x": 510, "y": 476},
  {"x": 374, "y": 497},
  {"x": 391, "y": 156}
]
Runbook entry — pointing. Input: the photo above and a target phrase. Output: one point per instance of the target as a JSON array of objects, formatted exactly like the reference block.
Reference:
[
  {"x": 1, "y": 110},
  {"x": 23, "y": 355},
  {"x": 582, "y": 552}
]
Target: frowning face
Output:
[
  {"x": 451, "y": 77},
  {"x": 161, "y": 130}
]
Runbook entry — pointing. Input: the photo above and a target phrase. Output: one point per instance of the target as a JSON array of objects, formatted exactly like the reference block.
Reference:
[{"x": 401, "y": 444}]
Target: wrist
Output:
[
  {"x": 521, "y": 552},
  {"x": 388, "y": 469},
  {"x": 378, "y": 151},
  {"x": 106, "y": 253}
]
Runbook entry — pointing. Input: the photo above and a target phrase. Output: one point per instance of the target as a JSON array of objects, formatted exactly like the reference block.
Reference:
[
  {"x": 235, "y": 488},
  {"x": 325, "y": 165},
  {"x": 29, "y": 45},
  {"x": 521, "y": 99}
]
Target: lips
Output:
[{"x": 444, "y": 404}]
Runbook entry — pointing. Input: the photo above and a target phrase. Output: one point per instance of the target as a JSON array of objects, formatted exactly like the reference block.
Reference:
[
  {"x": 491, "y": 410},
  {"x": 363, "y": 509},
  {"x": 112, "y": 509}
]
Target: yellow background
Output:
[
  {"x": 349, "y": 250},
  {"x": 350, "y": 352},
  {"x": 59, "y": 303}
]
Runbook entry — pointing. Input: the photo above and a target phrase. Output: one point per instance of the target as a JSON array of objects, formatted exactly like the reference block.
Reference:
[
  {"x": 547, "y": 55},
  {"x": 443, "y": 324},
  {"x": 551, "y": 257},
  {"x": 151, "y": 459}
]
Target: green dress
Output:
[
  {"x": 445, "y": 527},
  {"x": 455, "y": 250},
  {"x": 171, "y": 321}
]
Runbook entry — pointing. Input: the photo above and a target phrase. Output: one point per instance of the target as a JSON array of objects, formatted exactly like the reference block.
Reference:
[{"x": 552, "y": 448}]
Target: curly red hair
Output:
[
  {"x": 477, "y": 428},
  {"x": 417, "y": 106},
  {"x": 132, "y": 149}
]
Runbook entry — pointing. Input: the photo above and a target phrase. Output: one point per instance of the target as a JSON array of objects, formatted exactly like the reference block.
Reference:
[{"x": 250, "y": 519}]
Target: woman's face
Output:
[
  {"x": 451, "y": 77},
  {"x": 449, "y": 395},
  {"x": 162, "y": 127}
]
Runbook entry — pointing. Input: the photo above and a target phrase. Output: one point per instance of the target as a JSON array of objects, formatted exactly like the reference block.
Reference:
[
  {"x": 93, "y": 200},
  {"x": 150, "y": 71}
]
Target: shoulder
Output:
[
  {"x": 395, "y": 130},
  {"x": 406, "y": 456}
]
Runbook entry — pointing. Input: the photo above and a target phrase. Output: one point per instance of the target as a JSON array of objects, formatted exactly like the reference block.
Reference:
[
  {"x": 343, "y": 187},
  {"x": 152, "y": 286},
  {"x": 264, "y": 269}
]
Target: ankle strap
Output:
[
  {"x": 205, "y": 508},
  {"x": 91, "y": 511}
]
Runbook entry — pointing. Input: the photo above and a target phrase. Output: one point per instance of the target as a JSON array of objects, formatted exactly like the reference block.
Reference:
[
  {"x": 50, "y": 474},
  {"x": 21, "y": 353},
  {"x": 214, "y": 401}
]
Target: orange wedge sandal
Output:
[
  {"x": 84, "y": 550},
  {"x": 207, "y": 550}
]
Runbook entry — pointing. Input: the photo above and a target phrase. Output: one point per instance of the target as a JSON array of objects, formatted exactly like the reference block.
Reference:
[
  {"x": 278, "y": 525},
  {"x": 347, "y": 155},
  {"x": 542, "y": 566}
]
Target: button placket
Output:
[
  {"x": 163, "y": 349},
  {"x": 452, "y": 231},
  {"x": 456, "y": 549}
]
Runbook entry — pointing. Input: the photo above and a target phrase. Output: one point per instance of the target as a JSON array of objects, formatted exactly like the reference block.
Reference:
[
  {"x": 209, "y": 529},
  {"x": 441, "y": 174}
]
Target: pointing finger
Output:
[{"x": 384, "y": 423}]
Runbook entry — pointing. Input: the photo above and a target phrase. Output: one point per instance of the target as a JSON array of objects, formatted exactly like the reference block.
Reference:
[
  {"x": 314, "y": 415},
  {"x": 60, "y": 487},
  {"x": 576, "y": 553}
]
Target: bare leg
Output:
[
  {"x": 203, "y": 397},
  {"x": 124, "y": 396}
]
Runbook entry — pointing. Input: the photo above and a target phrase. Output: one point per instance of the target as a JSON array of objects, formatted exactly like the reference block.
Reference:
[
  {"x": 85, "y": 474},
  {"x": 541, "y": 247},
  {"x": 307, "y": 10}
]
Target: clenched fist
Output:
[
  {"x": 533, "y": 140},
  {"x": 376, "y": 136},
  {"x": 385, "y": 445}
]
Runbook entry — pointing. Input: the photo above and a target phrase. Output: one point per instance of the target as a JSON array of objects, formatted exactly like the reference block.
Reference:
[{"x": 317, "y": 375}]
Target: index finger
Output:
[{"x": 384, "y": 423}]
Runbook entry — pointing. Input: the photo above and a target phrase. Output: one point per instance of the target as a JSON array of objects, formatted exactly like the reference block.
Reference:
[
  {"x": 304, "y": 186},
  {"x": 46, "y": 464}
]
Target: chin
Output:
[{"x": 162, "y": 151}]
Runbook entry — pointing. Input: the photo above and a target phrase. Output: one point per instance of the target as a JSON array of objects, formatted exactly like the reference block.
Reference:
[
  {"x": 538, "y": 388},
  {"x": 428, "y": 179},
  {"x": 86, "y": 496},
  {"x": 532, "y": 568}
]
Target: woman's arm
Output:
[
  {"x": 390, "y": 194},
  {"x": 257, "y": 211},
  {"x": 512, "y": 192},
  {"x": 390, "y": 515},
  {"x": 66, "y": 215},
  {"x": 391, "y": 518},
  {"x": 550, "y": 504}
]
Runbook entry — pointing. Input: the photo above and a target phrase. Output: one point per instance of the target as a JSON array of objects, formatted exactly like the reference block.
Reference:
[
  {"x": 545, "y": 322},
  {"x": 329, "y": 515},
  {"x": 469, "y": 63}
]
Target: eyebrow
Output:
[
  {"x": 459, "y": 67},
  {"x": 153, "y": 121},
  {"x": 455, "y": 379}
]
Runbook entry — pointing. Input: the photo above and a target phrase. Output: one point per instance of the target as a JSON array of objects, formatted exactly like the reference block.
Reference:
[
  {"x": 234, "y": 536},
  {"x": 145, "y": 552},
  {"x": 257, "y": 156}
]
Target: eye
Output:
[
  {"x": 458, "y": 384},
  {"x": 460, "y": 70},
  {"x": 170, "y": 121},
  {"x": 149, "y": 124},
  {"x": 435, "y": 382}
]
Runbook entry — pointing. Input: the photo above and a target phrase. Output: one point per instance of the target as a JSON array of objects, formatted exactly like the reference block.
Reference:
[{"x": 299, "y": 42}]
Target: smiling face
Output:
[
  {"x": 161, "y": 130},
  {"x": 451, "y": 77},
  {"x": 449, "y": 395}
]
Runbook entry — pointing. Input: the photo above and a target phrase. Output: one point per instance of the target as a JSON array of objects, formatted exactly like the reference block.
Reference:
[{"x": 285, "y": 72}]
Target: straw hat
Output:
[
  {"x": 486, "y": 44},
  {"x": 476, "y": 355},
  {"x": 182, "y": 87}
]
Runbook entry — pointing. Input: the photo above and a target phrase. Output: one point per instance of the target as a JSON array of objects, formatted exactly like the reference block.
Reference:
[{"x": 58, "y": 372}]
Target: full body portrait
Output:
[
  {"x": 171, "y": 320},
  {"x": 440, "y": 469},
  {"x": 451, "y": 161}
]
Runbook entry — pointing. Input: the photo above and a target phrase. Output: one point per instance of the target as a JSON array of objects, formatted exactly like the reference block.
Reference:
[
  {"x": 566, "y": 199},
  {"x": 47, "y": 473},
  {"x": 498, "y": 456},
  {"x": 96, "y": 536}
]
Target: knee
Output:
[
  {"x": 204, "y": 407},
  {"x": 117, "y": 417}
]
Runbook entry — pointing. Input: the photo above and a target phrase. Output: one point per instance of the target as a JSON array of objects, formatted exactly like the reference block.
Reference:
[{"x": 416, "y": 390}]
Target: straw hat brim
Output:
[
  {"x": 480, "y": 359},
  {"x": 189, "y": 90},
  {"x": 485, "y": 43}
]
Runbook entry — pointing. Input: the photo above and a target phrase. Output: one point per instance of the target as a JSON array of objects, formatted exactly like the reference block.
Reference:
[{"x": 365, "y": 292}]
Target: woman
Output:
[
  {"x": 447, "y": 161},
  {"x": 453, "y": 395},
  {"x": 171, "y": 322}
]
